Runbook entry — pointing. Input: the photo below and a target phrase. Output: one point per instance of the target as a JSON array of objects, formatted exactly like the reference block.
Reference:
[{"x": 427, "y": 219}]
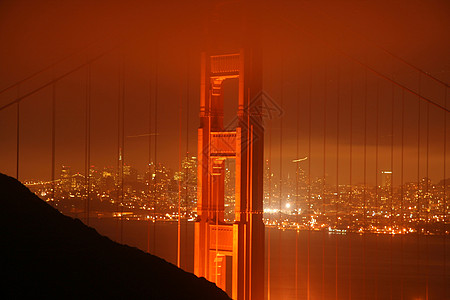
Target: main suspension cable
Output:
[{"x": 366, "y": 66}]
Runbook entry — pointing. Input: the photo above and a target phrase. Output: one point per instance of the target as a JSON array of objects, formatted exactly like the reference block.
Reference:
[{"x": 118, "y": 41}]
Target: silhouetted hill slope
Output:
[{"x": 47, "y": 254}]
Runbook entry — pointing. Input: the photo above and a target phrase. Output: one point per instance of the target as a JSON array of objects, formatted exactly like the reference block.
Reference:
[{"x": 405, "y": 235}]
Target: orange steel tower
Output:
[{"x": 231, "y": 255}]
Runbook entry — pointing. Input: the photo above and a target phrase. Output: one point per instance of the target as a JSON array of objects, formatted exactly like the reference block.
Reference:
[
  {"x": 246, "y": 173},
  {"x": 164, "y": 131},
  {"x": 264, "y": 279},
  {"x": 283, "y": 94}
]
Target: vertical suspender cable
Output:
[
  {"x": 249, "y": 195},
  {"x": 281, "y": 172},
  {"x": 271, "y": 221},
  {"x": 122, "y": 139},
  {"x": 418, "y": 182},
  {"x": 308, "y": 288},
  {"x": 155, "y": 126},
  {"x": 297, "y": 192},
  {"x": 402, "y": 195},
  {"x": 351, "y": 188},
  {"x": 427, "y": 195},
  {"x": 87, "y": 145},
  {"x": 337, "y": 177},
  {"x": 119, "y": 150},
  {"x": 391, "y": 191},
  {"x": 270, "y": 206},
  {"x": 444, "y": 196},
  {"x": 323, "y": 181},
  {"x": 365, "y": 184},
  {"x": 377, "y": 190},
  {"x": 180, "y": 110},
  {"x": 149, "y": 169},
  {"x": 249, "y": 198},
  {"x": 120, "y": 144},
  {"x": 53, "y": 139},
  {"x": 18, "y": 134},
  {"x": 186, "y": 174}
]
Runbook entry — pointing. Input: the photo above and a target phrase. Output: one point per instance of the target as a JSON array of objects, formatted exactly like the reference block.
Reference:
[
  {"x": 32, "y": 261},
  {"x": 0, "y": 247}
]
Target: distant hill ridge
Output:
[{"x": 47, "y": 254}]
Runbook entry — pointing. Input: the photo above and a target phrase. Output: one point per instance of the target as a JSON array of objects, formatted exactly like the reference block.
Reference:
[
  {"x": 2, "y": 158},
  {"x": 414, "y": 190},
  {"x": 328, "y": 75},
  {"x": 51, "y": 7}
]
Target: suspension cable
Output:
[
  {"x": 367, "y": 39},
  {"x": 55, "y": 80},
  {"x": 49, "y": 67},
  {"x": 367, "y": 67}
]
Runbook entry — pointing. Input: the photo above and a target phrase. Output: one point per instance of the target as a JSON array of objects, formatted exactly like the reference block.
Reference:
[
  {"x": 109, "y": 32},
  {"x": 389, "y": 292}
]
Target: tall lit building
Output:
[
  {"x": 78, "y": 182},
  {"x": 65, "y": 177},
  {"x": 268, "y": 184},
  {"x": 187, "y": 177},
  {"x": 386, "y": 179}
]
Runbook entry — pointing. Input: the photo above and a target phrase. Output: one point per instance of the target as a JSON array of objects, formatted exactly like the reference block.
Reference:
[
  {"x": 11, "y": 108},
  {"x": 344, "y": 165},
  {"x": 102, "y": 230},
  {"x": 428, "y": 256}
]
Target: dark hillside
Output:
[{"x": 47, "y": 254}]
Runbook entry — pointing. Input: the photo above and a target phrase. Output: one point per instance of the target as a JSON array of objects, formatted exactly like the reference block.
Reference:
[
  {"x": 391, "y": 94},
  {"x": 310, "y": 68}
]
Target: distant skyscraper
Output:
[
  {"x": 385, "y": 193},
  {"x": 268, "y": 184},
  {"x": 78, "y": 182},
  {"x": 65, "y": 178},
  {"x": 189, "y": 182},
  {"x": 386, "y": 179}
]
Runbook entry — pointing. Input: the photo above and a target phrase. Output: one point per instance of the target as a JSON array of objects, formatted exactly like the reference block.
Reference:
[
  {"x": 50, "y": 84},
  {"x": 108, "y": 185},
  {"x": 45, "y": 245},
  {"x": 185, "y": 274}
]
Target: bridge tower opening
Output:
[{"x": 234, "y": 252}]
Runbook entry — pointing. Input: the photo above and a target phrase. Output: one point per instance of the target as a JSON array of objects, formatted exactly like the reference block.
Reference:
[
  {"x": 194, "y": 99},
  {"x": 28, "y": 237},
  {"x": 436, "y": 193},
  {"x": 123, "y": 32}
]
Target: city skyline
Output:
[{"x": 291, "y": 210}]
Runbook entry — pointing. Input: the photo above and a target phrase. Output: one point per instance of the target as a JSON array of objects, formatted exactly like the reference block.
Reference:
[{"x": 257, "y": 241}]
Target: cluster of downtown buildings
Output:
[{"x": 302, "y": 203}]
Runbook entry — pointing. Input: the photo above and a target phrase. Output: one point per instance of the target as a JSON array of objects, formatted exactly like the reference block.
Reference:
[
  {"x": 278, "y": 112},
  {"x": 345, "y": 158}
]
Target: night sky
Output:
[{"x": 314, "y": 54}]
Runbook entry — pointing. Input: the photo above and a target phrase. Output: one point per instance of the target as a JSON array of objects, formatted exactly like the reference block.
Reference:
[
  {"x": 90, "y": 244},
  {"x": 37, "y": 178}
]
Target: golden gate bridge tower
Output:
[{"x": 231, "y": 255}]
